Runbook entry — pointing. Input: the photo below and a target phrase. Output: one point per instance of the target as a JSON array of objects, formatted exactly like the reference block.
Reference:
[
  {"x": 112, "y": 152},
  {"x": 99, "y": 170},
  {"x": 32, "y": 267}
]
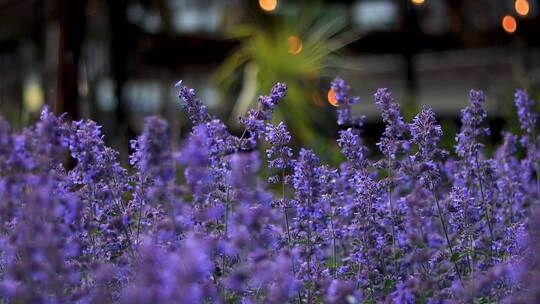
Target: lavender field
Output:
[{"x": 406, "y": 223}]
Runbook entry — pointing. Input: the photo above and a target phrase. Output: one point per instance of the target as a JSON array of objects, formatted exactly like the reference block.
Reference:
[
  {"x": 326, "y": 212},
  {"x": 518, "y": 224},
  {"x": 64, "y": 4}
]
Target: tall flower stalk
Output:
[
  {"x": 469, "y": 149},
  {"x": 391, "y": 144},
  {"x": 527, "y": 118},
  {"x": 280, "y": 157},
  {"x": 426, "y": 133}
]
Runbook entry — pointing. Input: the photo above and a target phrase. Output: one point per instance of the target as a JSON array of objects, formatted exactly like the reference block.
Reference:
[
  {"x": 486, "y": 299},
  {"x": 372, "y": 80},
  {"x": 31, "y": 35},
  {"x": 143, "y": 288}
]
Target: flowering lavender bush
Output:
[{"x": 199, "y": 225}]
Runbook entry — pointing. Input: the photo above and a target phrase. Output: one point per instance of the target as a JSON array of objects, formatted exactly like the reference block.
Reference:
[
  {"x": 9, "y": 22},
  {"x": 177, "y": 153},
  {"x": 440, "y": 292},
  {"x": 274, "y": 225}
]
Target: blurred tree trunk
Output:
[
  {"x": 119, "y": 44},
  {"x": 64, "y": 36},
  {"x": 122, "y": 45}
]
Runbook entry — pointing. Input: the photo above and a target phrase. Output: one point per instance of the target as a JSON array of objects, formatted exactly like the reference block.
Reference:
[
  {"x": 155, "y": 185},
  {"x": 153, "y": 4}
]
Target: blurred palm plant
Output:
[{"x": 298, "y": 49}]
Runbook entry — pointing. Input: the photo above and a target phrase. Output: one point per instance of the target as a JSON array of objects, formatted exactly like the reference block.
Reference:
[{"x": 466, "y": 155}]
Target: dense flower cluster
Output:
[{"x": 198, "y": 224}]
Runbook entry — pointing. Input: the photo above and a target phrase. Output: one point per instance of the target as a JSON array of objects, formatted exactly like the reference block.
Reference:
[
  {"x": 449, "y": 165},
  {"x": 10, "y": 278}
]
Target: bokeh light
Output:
[
  {"x": 522, "y": 7},
  {"x": 295, "y": 45},
  {"x": 33, "y": 95},
  {"x": 509, "y": 24},
  {"x": 332, "y": 98},
  {"x": 268, "y": 5},
  {"x": 418, "y": 2}
]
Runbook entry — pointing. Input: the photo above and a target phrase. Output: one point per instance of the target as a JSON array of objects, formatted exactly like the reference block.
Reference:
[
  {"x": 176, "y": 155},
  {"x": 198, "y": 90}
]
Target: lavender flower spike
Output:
[
  {"x": 527, "y": 118},
  {"x": 472, "y": 118},
  {"x": 192, "y": 105},
  {"x": 426, "y": 133},
  {"x": 255, "y": 119},
  {"x": 526, "y": 115},
  {"x": 391, "y": 142}
]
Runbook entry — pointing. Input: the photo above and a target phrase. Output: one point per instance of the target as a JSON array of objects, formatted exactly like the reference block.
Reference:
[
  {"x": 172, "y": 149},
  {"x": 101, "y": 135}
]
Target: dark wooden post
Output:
[{"x": 65, "y": 28}]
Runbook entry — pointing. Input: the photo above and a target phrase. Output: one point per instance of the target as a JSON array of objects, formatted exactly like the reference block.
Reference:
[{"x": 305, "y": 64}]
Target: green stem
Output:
[
  {"x": 389, "y": 191},
  {"x": 289, "y": 241},
  {"x": 537, "y": 179},
  {"x": 139, "y": 223},
  {"x": 471, "y": 249},
  {"x": 470, "y": 258},
  {"x": 310, "y": 249},
  {"x": 486, "y": 206},
  {"x": 227, "y": 207},
  {"x": 289, "y": 238},
  {"x": 334, "y": 255},
  {"x": 445, "y": 230}
]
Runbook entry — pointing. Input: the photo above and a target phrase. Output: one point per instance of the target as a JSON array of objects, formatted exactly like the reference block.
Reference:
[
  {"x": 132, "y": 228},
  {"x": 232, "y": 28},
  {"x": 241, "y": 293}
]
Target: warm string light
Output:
[
  {"x": 509, "y": 24},
  {"x": 268, "y": 5},
  {"x": 522, "y": 7},
  {"x": 33, "y": 96},
  {"x": 332, "y": 98},
  {"x": 295, "y": 45}
]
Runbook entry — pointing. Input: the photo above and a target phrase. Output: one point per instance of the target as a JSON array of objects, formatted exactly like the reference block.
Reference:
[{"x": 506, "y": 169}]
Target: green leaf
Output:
[
  {"x": 93, "y": 232},
  {"x": 302, "y": 241},
  {"x": 267, "y": 49},
  {"x": 388, "y": 285}
]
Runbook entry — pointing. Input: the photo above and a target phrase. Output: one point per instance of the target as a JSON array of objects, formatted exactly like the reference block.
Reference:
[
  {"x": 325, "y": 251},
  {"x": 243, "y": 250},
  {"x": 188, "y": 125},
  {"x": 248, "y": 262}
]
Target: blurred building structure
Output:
[{"x": 116, "y": 61}]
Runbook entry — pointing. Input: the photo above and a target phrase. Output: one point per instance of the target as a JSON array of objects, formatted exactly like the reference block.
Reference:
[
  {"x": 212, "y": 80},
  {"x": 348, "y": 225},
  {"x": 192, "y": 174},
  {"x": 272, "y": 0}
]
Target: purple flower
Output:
[
  {"x": 344, "y": 103},
  {"x": 464, "y": 210},
  {"x": 192, "y": 105},
  {"x": 196, "y": 224},
  {"x": 279, "y": 154},
  {"x": 196, "y": 157},
  {"x": 167, "y": 277},
  {"x": 351, "y": 145},
  {"x": 472, "y": 118},
  {"x": 153, "y": 191},
  {"x": 527, "y": 116},
  {"x": 391, "y": 142},
  {"x": 426, "y": 133},
  {"x": 244, "y": 166},
  {"x": 512, "y": 190},
  {"x": 42, "y": 246},
  {"x": 152, "y": 153},
  {"x": 342, "y": 292},
  {"x": 255, "y": 119},
  {"x": 306, "y": 177},
  {"x": 95, "y": 161}
]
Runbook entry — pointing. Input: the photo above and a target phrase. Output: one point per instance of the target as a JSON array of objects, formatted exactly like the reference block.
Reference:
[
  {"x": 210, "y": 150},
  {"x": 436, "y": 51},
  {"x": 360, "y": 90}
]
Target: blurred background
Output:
[{"x": 117, "y": 61}]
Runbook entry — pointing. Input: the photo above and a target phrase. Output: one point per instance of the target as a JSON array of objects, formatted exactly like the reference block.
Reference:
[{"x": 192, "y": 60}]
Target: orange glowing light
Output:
[
  {"x": 295, "y": 45},
  {"x": 418, "y": 2},
  {"x": 332, "y": 98},
  {"x": 509, "y": 24},
  {"x": 268, "y": 5},
  {"x": 522, "y": 7}
]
